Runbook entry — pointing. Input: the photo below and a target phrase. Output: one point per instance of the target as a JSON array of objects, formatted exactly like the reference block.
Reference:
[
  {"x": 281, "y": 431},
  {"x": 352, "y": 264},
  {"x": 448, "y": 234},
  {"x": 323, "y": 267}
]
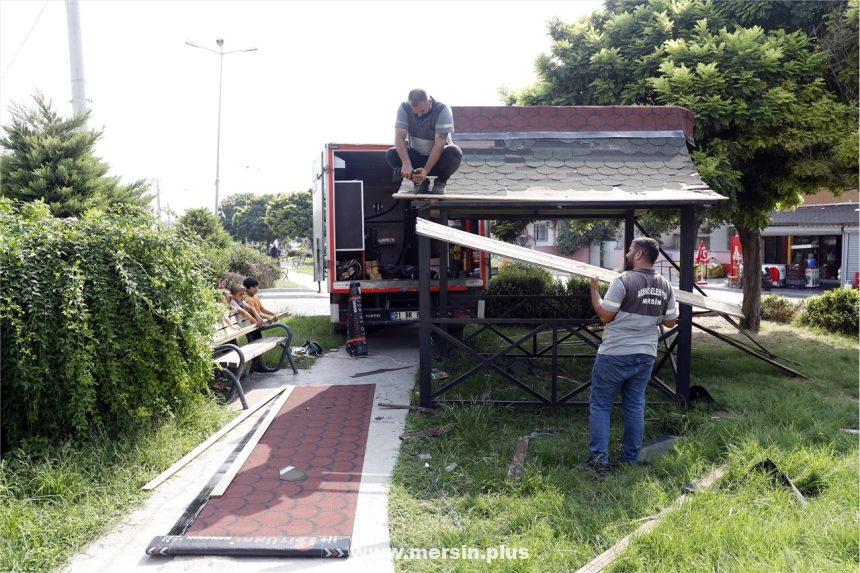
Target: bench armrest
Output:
[
  {"x": 234, "y": 348},
  {"x": 289, "y": 331}
]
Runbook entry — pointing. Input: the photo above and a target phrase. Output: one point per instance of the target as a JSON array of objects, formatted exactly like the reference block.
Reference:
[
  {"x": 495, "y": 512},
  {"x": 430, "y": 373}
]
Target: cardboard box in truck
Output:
[{"x": 362, "y": 233}]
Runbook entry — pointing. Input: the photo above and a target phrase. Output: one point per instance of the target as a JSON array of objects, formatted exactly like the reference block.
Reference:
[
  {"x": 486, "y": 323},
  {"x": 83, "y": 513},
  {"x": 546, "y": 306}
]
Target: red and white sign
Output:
[
  {"x": 736, "y": 256},
  {"x": 702, "y": 256},
  {"x": 701, "y": 261}
]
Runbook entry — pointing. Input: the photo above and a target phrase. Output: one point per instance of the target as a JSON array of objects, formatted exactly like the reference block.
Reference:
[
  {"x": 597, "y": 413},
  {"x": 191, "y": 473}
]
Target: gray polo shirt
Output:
[
  {"x": 643, "y": 299},
  {"x": 421, "y": 131}
]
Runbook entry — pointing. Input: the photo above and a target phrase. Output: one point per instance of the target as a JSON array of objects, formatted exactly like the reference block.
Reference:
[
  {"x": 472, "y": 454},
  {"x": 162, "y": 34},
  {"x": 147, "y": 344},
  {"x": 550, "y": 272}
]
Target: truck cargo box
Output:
[{"x": 362, "y": 233}]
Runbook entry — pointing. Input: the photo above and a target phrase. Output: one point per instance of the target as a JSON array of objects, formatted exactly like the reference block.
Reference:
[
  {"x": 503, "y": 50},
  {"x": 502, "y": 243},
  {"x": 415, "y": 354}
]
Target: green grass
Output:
[
  {"x": 56, "y": 498},
  {"x": 305, "y": 328},
  {"x": 304, "y": 269},
  {"x": 565, "y": 516}
]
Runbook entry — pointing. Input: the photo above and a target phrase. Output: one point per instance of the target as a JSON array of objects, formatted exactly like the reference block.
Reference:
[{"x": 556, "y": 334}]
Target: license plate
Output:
[{"x": 404, "y": 315}]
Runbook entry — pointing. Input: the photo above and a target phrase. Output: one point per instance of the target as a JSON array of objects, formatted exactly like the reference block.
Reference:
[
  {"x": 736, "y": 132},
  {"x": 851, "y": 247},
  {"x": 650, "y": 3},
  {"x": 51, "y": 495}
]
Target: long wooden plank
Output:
[
  {"x": 443, "y": 233},
  {"x": 203, "y": 446},
  {"x": 252, "y": 443},
  {"x": 609, "y": 556}
]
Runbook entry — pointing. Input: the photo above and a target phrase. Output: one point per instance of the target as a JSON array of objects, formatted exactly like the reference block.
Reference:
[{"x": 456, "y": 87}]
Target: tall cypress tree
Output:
[{"x": 50, "y": 158}]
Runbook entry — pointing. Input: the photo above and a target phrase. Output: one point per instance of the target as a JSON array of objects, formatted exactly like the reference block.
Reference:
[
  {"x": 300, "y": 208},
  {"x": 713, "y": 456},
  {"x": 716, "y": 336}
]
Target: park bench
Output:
[
  {"x": 232, "y": 358},
  {"x": 299, "y": 260}
]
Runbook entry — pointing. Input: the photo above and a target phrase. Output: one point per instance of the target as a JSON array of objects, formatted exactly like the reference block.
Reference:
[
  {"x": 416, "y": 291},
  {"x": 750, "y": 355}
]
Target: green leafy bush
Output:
[
  {"x": 579, "y": 290},
  {"x": 778, "y": 309},
  {"x": 105, "y": 321},
  {"x": 837, "y": 310},
  {"x": 239, "y": 260},
  {"x": 202, "y": 223},
  {"x": 569, "y": 300}
]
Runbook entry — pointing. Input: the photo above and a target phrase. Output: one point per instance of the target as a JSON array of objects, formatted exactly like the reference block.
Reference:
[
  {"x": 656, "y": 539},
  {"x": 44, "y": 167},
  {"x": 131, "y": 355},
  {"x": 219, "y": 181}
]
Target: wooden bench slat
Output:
[
  {"x": 250, "y": 351},
  {"x": 226, "y": 333}
]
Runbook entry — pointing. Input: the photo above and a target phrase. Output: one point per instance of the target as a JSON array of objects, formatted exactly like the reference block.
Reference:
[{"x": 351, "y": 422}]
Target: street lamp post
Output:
[{"x": 221, "y": 53}]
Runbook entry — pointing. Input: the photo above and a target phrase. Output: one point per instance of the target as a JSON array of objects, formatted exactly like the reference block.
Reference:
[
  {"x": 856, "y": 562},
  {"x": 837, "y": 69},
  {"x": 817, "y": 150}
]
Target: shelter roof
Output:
[{"x": 613, "y": 156}]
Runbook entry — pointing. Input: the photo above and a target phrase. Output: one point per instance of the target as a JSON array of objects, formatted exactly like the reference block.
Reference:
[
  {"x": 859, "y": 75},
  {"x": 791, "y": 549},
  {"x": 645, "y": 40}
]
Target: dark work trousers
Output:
[
  {"x": 255, "y": 335},
  {"x": 448, "y": 162}
]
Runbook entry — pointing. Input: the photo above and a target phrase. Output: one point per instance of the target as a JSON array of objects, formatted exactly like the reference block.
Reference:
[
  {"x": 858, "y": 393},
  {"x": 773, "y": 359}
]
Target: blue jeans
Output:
[{"x": 630, "y": 375}]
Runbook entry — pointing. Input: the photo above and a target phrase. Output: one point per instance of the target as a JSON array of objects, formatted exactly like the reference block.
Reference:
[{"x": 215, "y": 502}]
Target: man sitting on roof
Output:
[
  {"x": 636, "y": 303},
  {"x": 422, "y": 143}
]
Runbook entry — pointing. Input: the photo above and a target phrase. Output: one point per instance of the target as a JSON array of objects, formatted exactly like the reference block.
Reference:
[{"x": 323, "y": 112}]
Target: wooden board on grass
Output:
[{"x": 187, "y": 458}]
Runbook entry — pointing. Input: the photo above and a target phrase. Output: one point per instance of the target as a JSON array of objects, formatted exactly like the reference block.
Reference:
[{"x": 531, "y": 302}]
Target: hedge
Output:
[
  {"x": 778, "y": 308},
  {"x": 836, "y": 310},
  {"x": 105, "y": 321},
  {"x": 247, "y": 261},
  {"x": 571, "y": 299}
]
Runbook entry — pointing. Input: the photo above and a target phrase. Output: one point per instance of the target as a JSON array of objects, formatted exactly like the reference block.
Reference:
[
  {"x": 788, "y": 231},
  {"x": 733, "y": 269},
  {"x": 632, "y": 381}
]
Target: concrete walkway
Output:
[{"x": 122, "y": 549}]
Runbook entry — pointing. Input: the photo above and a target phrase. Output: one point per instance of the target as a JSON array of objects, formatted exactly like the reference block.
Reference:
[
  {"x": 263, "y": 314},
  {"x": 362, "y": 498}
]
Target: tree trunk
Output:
[{"x": 751, "y": 245}]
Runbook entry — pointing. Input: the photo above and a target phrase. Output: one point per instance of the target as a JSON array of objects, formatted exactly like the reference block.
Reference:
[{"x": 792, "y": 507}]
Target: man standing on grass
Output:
[
  {"x": 422, "y": 143},
  {"x": 636, "y": 303}
]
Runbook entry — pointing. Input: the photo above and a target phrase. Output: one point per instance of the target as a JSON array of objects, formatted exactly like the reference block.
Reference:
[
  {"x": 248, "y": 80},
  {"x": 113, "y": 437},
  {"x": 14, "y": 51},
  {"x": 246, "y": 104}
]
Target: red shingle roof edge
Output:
[{"x": 496, "y": 119}]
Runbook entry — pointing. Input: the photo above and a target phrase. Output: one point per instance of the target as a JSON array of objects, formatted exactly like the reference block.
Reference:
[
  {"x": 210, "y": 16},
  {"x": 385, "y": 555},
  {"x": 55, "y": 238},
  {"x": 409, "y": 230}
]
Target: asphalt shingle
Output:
[{"x": 814, "y": 215}]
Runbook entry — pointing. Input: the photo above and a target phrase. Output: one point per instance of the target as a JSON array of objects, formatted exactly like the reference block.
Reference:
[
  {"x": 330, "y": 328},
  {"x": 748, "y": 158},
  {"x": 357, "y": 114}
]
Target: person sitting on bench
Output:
[
  {"x": 422, "y": 143},
  {"x": 237, "y": 294},
  {"x": 251, "y": 287}
]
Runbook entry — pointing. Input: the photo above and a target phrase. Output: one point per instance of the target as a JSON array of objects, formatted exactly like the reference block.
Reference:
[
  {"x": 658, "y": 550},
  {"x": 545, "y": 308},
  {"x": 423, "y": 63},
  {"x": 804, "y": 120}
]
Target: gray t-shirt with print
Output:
[
  {"x": 642, "y": 300},
  {"x": 422, "y": 130}
]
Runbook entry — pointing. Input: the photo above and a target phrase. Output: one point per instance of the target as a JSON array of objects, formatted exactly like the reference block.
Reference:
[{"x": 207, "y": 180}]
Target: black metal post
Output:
[
  {"x": 424, "y": 321},
  {"x": 444, "y": 248},
  {"x": 554, "y": 363},
  {"x": 629, "y": 219},
  {"x": 689, "y": 230}
]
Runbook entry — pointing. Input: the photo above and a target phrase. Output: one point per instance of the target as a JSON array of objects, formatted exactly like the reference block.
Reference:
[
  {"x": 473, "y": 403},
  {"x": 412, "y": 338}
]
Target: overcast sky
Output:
[{"x": 324, "y": 72}]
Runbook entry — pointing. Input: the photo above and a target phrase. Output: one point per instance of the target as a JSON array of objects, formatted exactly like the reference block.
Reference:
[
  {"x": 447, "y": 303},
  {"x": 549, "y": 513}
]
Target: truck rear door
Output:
[{"x": 319, "y": 248}]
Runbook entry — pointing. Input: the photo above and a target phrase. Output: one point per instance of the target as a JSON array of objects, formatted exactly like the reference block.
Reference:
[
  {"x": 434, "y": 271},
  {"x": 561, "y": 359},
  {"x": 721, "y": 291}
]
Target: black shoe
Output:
[
  {"x": 423, "y": 188},
  {"x": 600, "y": 469}
]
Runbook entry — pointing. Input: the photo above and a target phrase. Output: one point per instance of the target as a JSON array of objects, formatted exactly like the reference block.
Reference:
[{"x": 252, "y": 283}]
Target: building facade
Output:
[{"x": 825, "y": 229}]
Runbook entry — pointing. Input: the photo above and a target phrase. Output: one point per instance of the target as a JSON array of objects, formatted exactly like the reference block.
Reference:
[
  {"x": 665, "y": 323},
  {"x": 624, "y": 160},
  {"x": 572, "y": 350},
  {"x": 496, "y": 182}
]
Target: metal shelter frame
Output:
[{"x": 436, "y": 321}]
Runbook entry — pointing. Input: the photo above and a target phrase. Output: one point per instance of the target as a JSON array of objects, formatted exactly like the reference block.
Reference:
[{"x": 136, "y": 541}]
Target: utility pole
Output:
[
  {"x": 158, "y": 197},
  {"x": 220, "y": 43},
  {"x": 76, "y": 58},
  {"x": 221, "y": 53}
]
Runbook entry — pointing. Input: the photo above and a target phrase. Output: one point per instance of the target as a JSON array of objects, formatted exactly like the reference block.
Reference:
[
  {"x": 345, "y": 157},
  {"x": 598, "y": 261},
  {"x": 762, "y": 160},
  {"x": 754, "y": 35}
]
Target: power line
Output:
[{"x": 27, "y": 37}]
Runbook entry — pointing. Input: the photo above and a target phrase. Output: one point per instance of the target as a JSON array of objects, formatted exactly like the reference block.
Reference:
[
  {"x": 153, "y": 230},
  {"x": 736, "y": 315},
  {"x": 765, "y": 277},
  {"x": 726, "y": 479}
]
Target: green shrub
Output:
[
  {"x": 297, "y": 252},
  {"x": 204, "y": 224},
  {"x": 243, "y": 261},
  {"x": 517, "y": 279},
  {"x": 836, "y": 310},
  {"x": 579, "y": 290},
  {"x": 571, "y": 299},
  {"x": 778, "y": 309},
  {"x": 105, "y": 321}
]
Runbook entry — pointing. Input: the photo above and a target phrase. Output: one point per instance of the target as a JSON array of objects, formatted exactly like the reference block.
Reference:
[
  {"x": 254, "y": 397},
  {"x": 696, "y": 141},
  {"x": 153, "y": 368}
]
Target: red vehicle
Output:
[{"x": 363, "y": 233}]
